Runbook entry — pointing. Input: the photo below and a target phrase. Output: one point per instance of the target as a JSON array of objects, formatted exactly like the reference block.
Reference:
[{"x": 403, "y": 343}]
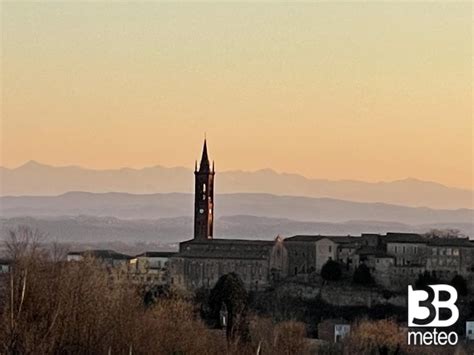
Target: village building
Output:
[
  {"x": 470, "y": 330},
  {"x": 301, "y": 254},
  {"x": 409, "y": 249},
  {"x": 151, "y": 268},
  {"x": 450, "y": 256},
  {"x": 108, "y": 257},
  {"x": 200, "y": 264},
  {"x": 308, "y": 253},
  {"x": 381, "y": 271},
  {"x": 333, "y": 330},
  {"x": 5, "y": 265},
  {"x": 395, "y": 260}
]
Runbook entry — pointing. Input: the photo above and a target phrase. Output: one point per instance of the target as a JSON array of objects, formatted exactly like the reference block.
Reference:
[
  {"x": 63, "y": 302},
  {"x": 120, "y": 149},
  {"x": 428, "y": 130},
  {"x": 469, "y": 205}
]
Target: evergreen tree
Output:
[
  {"x": 362, "y": 275},
  {"x": 331, "y": 271},
  {"x": 229, "y": 293},
  {"x": 425, "y": 279},
  {"x": 459, "y": 283}
]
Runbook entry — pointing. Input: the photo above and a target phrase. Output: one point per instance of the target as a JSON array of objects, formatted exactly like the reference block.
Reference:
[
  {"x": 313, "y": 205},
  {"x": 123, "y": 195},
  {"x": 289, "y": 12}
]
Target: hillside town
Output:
[
  {"x": 236, "y": 177},
  {"x": 394, "y": 260},
  {"x": 365, "y": 268},
  {"x": 349, "y": 276}
]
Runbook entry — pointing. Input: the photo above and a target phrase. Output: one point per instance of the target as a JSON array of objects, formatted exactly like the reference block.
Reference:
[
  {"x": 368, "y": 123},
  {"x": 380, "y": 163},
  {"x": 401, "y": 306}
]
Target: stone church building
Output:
[
  {"x": 202, "y": 260},
  {"x": 395, "y": 259}
]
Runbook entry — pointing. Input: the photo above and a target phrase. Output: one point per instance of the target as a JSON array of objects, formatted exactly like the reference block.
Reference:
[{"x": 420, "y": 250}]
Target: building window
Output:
[
  {"x": 330, "y": 249},
  {"x": 203, "y": 187}
]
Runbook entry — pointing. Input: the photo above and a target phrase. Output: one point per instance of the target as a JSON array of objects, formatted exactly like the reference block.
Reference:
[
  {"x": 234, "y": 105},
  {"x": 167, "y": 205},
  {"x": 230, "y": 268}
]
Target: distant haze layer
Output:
[
  {"x": 92, "y": 229},
  {"x": 37, "y": 179},
  {"x": 156, "y": 206}
]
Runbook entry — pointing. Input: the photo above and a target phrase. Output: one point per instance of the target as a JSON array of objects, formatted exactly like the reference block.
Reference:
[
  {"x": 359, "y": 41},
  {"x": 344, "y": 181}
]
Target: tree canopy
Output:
[
  {"x": 459, "y": 283},
  {"x": 362, "y": 275},
  {"x": 424, "y": 279},
  {"x": 331, "y": 271},
  {"x": 229, "y": 292},
  {"x": 382, "y": 337}
]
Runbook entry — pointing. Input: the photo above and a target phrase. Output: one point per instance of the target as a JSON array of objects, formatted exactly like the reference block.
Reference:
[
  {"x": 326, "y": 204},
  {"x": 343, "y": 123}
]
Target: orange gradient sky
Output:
[{"x": 369, "y": 91}]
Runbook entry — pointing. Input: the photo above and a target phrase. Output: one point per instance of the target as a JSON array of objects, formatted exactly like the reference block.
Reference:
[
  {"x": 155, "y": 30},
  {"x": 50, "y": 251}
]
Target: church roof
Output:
[
  {"x": 370, "y": 250},
  {"x": 404, "y": 238},
  {"x": 226, "y": 249},
  {"x": 156, "y": 254},
  {"x": 222, "y": 241},
  {"x": 304, "y": 238},
  {"x": 225, "y": 254},
  {"x": 343, "y": 239},
  {"x": 102, "y": 254},
  {"x": 451, "y": 242}
]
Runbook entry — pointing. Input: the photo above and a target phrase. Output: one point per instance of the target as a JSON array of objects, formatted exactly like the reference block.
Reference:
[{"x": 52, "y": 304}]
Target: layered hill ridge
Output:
[
  {"x": 36, "y": 179},
  {"x": 170, "y": 205},
  {"x": 167, "y": 231}
]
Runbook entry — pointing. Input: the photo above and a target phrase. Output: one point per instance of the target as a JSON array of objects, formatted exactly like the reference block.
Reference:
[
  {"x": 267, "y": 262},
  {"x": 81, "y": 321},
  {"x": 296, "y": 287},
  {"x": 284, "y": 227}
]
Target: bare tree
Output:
[
  {"x": 444, "y": 233},
  {"x": 382, "y": 337},
  {"x": 24, "y": 242},
  {"x": 53, "y": 307}
]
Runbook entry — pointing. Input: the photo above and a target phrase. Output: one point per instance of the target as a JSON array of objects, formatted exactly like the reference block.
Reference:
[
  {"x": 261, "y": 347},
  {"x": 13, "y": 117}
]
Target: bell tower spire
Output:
[
  {"x": 204, "y": 198},
  {"x": 204, "y": 165}
]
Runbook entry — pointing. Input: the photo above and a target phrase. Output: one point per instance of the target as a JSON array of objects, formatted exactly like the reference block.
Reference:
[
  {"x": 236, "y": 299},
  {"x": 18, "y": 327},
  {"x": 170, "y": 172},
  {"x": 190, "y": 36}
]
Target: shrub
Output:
[
  {"x": 331, "y": 271},
  {"x": 288, "y": 337},
  {"x": 229, "y": 293},
  {"x": 362, "y": 275},
  {"x": 424, "y": 280},
  {"x": 459, "y": 283},
  {"x": 376, "y": 337}
]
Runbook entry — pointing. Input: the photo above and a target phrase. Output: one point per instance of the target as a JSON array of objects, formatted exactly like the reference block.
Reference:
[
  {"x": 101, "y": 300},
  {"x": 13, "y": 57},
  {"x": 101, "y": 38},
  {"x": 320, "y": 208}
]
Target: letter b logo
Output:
[{"x": 424, "y": 307}]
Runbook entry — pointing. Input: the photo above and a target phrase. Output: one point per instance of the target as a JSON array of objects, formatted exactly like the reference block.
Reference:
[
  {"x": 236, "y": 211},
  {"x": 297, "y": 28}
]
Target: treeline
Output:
[{"x": 50, "y": 306}]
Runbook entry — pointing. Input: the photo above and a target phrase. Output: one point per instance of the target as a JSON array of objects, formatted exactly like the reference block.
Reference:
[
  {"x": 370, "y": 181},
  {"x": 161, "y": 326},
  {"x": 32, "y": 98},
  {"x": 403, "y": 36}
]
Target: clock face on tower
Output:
[{"x": 201, "y": 211}]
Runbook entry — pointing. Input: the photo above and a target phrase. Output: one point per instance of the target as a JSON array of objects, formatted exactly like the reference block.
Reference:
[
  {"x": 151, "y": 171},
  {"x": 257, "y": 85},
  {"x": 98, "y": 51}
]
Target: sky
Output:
[{"x": 372, "y": 91}]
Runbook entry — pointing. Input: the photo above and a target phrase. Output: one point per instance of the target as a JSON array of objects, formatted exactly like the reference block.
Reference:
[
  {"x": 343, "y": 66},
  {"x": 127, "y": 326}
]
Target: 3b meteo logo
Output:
[{"x": 424, "y": 309}]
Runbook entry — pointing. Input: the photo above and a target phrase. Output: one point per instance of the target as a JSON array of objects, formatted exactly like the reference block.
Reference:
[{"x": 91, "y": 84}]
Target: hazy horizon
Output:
[
  {"x": 34, "y": 179},
  {"x": 263, "y": 169},
  {"x": 340, "y": 91}
]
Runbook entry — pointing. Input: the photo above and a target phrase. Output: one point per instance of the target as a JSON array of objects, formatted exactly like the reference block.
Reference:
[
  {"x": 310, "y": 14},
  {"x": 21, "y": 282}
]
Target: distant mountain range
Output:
[
  {"x": 37, "y": 179},
  {"x": 167, "y": 232},
  {"x": 156, "y": 206}
]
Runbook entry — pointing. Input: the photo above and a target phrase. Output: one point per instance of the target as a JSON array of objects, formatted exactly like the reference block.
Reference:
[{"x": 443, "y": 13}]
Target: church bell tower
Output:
[{"x": 204, "y": 198}]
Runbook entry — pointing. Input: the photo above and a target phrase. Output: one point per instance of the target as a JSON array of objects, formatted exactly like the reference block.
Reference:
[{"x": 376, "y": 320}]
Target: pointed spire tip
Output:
[{"x": 204, "y": 165}]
